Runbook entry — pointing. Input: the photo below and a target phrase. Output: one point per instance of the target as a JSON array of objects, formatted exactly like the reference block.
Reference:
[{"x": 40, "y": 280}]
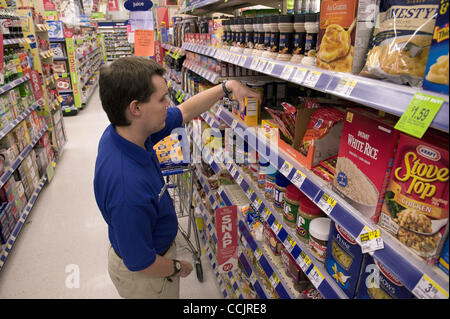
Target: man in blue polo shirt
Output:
[{"x": 142, "y": 226}]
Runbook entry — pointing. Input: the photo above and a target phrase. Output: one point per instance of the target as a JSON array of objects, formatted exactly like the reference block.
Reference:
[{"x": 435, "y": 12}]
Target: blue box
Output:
[
  {"x": 378, "y": 283},
  {"x": 343, "y": 259},
  {"x": 437, "y": 79},
  {"x": 443, "y": 261},
  {"x": 56, "y": 30}
]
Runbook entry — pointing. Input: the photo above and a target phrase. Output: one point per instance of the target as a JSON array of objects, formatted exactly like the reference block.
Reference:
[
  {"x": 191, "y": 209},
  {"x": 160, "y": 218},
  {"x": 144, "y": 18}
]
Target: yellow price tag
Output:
[
  {"x": 370, "y": 235},
  {"x": 327, "y": 203}
]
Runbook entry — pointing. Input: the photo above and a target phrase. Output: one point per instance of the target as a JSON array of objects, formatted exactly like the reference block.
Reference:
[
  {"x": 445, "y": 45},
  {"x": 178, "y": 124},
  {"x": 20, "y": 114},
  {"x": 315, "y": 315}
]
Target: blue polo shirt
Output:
[{"x": 127, "y": 183}]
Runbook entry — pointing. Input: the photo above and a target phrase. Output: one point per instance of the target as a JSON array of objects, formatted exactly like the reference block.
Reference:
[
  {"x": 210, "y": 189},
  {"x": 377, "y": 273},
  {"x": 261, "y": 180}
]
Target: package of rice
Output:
[
  {"x": 364, "y": 162},
  {"x": 401, "y": 41}
]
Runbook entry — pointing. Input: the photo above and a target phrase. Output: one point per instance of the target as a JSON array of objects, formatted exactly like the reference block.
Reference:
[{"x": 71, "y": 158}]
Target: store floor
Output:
[{"x": 66, "y": 236}]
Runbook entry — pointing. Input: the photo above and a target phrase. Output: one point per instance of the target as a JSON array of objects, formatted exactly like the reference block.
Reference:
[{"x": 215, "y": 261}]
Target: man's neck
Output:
[{"x": 132, "y": 135}]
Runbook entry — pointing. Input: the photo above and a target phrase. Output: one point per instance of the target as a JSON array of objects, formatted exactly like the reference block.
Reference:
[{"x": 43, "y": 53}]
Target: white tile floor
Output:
[{"x": 66, "y": 233}]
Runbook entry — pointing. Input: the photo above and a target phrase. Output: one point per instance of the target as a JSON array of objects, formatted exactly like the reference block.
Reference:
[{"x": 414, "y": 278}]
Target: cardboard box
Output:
[
  {"x": 344, "y": 259},
  {"x": 250, "y": 110},
  {"x": 365, "y": 160},
  {"x": 377, "y": 282},
  {"x": 415, "y": 208},
  {"x": 436, "y": 73}
]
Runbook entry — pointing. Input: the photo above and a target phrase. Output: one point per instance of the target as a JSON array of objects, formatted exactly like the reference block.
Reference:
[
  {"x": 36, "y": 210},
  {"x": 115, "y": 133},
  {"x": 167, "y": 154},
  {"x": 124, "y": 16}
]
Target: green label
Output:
[{"x": 419, "y": 114}]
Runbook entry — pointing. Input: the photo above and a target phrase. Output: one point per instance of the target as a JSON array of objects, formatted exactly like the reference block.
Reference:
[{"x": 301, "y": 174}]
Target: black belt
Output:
[{"x": 160, "y": 255}]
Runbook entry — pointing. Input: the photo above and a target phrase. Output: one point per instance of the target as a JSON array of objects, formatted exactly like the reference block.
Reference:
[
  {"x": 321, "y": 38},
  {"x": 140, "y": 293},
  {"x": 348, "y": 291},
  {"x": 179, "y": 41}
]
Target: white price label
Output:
[
  {"x": 370, "y": 240},
  {"x": 286, "y": 168},
  {"x": 239, "y": 179},
  {"x": 210, "y": 159},
  {"x": 287, "y": 71},
  {"x": 276, "y": 227},
  {"x": 269, "y": 67},
  {"x": 257, "y": 203},
  {"x": 233, "y": 171},
  {"x": 265, "y": 214},
  {"x": 289, "y": 243},
  {"x": 274, "y": 280},
  {"x": 298, "y": 179},
  {"x": 254, "y": 64},
  {"x": 261, "y": 65},
  {"x": 234, "y": 124},
  {"x": 327, "y": 203},
  {"x": 249, "y": 193},
  {"x": 299, "y": 75},
  {"x": 253, "y": 279},
  {"x": 229, "y": 164},
  {"x": 345, "y": 86},
  {"x": 258, "y": 254},
  {"x": 426, "y": 288},
  {"x": 312, "y": 78},
  {"x": 242, "y": 60},
  {"x": 303, "y": 261},
  {"x": 315, "y": 277}
]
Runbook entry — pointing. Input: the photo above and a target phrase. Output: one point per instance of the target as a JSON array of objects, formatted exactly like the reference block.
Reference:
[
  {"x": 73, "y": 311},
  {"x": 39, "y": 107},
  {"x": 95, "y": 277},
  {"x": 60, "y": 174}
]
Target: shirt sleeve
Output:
[
  {"x": 174, "y": 119},
  {"x": 132, "y": 227}
]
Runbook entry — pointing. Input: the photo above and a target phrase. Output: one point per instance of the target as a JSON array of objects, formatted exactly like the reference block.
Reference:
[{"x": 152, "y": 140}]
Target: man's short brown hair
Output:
[{"x": 125, "y": 80}]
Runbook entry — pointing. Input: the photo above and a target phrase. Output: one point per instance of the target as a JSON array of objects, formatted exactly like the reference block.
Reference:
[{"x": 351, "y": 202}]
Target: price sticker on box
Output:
[
  {"x": 286, "y": 168},
  {"x": 427, "y": 288},
  {"x": 370, "y": 240},
  {"x": 298, "y": 179},
  {"x": 287, "y": 71},
  {"x": 269, "y": 67},
  {"x": 327, "y": 203},
  {"x": 315, "y": 276},
  {"x": 312, "y": 78},
  {"x": 345, "y": 86},
  {"x": 303, "y": 261}
]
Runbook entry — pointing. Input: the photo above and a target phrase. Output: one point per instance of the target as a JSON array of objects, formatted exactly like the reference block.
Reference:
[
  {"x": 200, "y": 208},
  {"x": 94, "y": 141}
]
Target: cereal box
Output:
[
  {"x": 364, "y": 161},
  {"x": 377, "y": 282},
  {"x": 415, "y": 208},
  {"x": 343, "y": 259},
  {"x": 436, "y": 73}
]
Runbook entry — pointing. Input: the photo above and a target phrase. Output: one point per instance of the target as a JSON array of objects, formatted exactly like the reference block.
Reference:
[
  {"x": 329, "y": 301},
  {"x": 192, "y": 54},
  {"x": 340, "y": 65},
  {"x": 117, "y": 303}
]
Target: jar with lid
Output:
[
  {"x": 319, "y": 231},
  {"x": 226, "y": 30},
  {"x": 233, "y": 33},
  {"x": 307, "y": 211},
  {"x": 240, "y": 35},
  {"x": 263, "y": 165},
  {"x": 312, "y": 30},
  {"x": 271, "y": 173},
  {"x": 274, "y": 36},
  {"x": 299, "y": 38},
  {"x": 286, "y": 27},
  {"x": 291, "y": 204},
  {"x": 249, "y": 36},
  {"x": 267, "y": 36},
  {"x": 281, "y": 182},
  {"x": 259, "y": 45}
]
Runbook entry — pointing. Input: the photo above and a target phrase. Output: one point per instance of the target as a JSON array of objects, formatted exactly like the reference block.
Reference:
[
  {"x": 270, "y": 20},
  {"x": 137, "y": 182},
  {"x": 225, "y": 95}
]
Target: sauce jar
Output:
[
  {"x": 259, "y": 44},
  {"x": 271, "y": 173},
  {"x": 262, "y": 174},
  {"x": 274, "y": 37},
  {"x": 319, "y": 230},
  {"x": 249, "y": 36},
  {"x": 299, "y": 38},
  {"x": 281, "y": 182},
  {"x": 312, "y": 30},
  {"x": 307, "y": 211},
  {"x": 267, "y": 36},
  {"x": 291, "y": 204},
  {"x": 240, "y": 35},
  {"x": 286, "y": 27}
]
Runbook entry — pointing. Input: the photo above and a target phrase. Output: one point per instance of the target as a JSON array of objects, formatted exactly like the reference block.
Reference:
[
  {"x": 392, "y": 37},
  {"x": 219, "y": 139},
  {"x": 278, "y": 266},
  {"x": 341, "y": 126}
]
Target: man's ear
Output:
[{"x": 134, "y": 108}]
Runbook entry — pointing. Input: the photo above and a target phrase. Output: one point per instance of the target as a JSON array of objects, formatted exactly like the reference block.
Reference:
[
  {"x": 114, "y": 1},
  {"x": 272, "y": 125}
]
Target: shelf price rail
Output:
[
  {"x": 384, "y": 96},
  {"x": 411, "y": 270}
]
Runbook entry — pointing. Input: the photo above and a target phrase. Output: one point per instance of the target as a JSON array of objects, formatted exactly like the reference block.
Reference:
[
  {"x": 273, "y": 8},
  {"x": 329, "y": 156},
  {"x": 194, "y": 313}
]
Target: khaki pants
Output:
[{"x": 136, "y": 285}]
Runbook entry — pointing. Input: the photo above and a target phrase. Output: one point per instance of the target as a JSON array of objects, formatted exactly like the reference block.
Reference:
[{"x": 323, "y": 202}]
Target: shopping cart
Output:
[{"x": 179, "y": 182}]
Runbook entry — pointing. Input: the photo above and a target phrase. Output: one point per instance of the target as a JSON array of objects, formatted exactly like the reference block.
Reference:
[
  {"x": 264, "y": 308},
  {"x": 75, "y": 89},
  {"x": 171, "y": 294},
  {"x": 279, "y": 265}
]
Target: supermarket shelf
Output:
[
  {"x": 209, "y": 6},
  {"x": 69, "y": 110},
  {"x": 46, "y": 54},
  {"x": 173, "y": 50},
  {"x": 87, "y": 56},
  {"x": 57, "y": 40},
  {"x": 64, "y": 58},
  {"x": 21, "y": 117},
  {"x": 8, "y": 172},
  {"x": 410, "y": 269},
  {"x": 212, "y": 77},
  {"x": 389, "y": 97},
  {"x": 65, "y": 91},
  {"x": 92, "y": 70},
  {"x": 14, "y": 83},
  {"x": 13, "y": 236},
  {"x": 14, "y": 41},
  {"x": 211, "y": 258},
  {"x": 89, "y": 94}
]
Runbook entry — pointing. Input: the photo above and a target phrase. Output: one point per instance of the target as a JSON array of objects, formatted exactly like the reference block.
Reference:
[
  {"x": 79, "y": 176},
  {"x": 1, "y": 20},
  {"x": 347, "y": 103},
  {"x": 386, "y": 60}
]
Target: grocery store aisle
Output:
[{"x": 65, "y": 236}]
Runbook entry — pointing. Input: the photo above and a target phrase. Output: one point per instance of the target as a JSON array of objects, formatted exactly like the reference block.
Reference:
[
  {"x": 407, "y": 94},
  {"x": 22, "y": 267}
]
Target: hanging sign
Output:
[
  {"x": 227, "y": 238},
  {"x": 137, "y": 5},
  {"x": 144, "y": 44},
  {"x": 113, "y": 5}
]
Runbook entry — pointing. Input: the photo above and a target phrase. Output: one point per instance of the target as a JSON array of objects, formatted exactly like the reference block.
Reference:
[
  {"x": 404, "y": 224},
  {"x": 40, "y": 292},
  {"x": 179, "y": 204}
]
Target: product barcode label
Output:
[
  {"x": 426, "y": 288},
  {"x": 286, "y": 168},
  {"x": 298, "y": 179},
  {"x": 326, "y": 203},
  {"x": 312, "y": 78},
  {"x": 303, "y": 261},
  {"x": 269, "y": 67},
  {"x": 370, "y": 240},
  {"x": 287, "y": 71},
  {"x": 315, "y": 277},
  {"x": 276, "y": 227},
  {"x": 345, "y": 86},
  {"x": 299, "y": 75},
  {"x": 239, "y": 179},
  {"x": 254, "y": 64},
  {"x": 274, "y": 280}
]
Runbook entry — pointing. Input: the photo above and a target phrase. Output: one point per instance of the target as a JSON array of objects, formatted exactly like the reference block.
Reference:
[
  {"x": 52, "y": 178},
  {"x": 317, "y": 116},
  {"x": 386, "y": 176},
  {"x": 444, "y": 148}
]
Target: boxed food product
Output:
[
  {"x": 56, "y": 29},
  {"x": 377, "y": 282},
  {"x": 344, "y": 259},
  {"x": 63, "y": 84},
  {"x": 443, "y": 261},
  {"x": 58, "y": 49},
  {"x": 415, "y": 208},
  {"x": 272, "y": 240},
  {"x": 345, "y": 30},
  {"x": 365, "y": 160},
  {"x": 401, "y": 41},
  {"x": 249, "y": 111},
  {"x": 59, "y": 67},
  {"x": 436, "y": 73}
]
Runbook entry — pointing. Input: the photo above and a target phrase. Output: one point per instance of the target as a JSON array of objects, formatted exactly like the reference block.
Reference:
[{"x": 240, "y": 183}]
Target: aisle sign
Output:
[
  {"x": 419, "y": 114},
  {"x": 144, "y": 43},
  {"x": 227, "y": 238}
]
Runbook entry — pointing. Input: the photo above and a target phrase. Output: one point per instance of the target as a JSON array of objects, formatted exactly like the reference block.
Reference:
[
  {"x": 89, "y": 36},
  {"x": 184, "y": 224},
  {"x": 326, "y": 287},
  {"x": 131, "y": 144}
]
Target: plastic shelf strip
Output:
[
  {"x": 13, "y": 84},
  {"x": 21, "y": 117}
]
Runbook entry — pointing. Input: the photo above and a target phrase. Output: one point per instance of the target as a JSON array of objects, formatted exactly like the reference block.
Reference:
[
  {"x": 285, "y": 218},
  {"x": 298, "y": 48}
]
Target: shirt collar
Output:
[{"x": 130, "y": 149}]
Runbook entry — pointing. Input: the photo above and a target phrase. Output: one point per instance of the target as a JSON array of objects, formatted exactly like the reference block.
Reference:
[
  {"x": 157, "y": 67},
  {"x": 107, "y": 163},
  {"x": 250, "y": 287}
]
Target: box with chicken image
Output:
[
  {"x": 415, "y": 207},
  {"x": 345, "y": 31}
]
